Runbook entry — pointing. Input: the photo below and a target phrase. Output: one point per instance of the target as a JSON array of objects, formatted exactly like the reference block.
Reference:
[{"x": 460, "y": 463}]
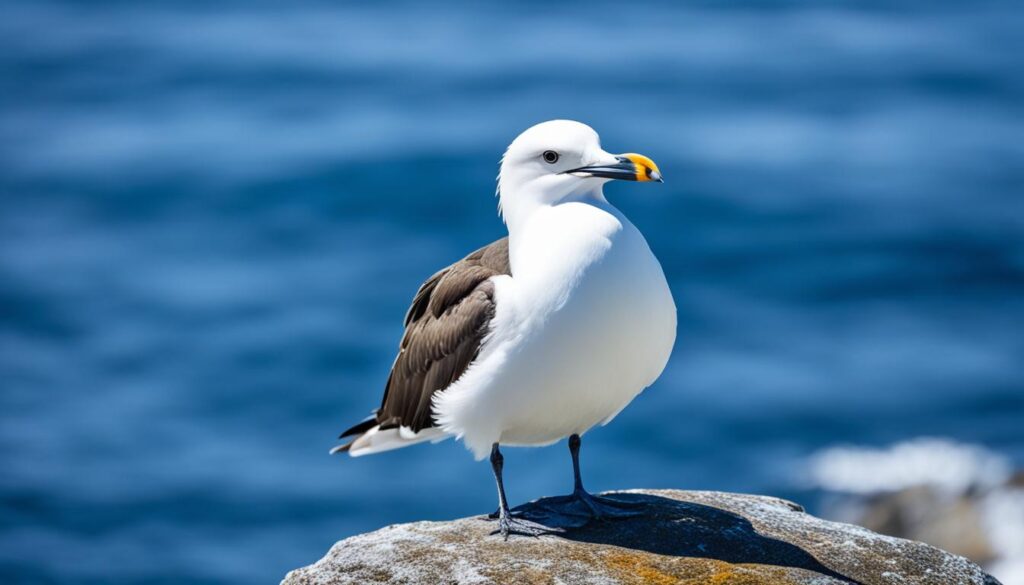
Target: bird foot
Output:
[
  {"x": 515, "y": 513},
  {"x": 509, "y": 525},
  {"x": 497, "y": 514},
  {"x": 583, "y": 504}
]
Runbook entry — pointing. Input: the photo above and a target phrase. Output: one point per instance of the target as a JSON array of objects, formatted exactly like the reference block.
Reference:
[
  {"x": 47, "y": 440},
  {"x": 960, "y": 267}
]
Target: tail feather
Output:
[
  {"x": 342, "y": 448},
  {"x": 373, "y": 439},
  {"x": 360, "y": 427}
]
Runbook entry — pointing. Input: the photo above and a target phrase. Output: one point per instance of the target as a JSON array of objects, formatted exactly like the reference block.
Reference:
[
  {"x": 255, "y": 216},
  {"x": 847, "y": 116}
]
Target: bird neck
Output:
[
  {"x": 518, "y": 205},
  {"x": 546, "y": 237}
]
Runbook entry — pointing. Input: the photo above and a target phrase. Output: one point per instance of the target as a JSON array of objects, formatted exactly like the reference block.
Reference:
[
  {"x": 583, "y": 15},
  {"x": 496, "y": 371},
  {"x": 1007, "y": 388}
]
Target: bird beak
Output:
[{"x": 628, "y": 167}]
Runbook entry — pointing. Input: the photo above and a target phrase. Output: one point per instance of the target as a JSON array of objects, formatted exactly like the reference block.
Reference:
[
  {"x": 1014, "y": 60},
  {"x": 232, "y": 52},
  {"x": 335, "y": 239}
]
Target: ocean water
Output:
[{"x": 214, "y": 214}]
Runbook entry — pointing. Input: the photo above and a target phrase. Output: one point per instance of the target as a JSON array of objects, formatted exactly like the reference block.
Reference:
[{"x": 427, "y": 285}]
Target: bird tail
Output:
[{"x": 371, "y": 438}]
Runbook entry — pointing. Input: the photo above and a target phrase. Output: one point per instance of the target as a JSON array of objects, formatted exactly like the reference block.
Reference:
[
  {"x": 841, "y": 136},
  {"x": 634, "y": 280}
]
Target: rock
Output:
[
  {"x": 681, "y": 537},
  {"x": 953, "y": 522},
  {"x": 1016, "y": 479}
]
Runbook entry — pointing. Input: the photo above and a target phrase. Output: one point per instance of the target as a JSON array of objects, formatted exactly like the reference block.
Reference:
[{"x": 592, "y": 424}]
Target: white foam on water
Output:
[{"x": 939, "y": 463}]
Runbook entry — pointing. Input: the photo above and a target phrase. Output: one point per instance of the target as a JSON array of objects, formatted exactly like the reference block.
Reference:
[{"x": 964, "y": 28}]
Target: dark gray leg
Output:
[
  {"x": 594, "y": 506},
  {"x": 497, "y": 465},
  {"x": 574, "y": 450},
  {"x": 506, "y": 525}
]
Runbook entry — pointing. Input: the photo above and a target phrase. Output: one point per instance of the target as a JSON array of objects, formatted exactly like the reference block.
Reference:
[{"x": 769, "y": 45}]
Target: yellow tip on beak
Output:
[{"x": 646, "y": 170}]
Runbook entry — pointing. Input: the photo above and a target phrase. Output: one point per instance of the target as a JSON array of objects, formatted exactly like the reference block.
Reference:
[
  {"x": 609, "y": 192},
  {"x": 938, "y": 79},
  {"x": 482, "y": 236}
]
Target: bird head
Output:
[{"x": 558, "y": 159}]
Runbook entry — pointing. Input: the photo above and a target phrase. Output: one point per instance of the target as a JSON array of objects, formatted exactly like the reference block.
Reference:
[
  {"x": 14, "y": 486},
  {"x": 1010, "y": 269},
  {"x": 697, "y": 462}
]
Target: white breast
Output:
[{"x": 585, "y": 324}]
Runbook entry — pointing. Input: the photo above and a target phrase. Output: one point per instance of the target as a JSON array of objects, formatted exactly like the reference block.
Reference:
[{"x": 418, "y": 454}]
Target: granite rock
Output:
[{"x": 680, "y": 537}]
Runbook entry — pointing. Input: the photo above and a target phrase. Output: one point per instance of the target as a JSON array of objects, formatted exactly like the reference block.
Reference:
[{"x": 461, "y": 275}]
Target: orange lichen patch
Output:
[
  {"x": 519, "y": 575},
  {"x": 639, "y": 568},
  {"x": 636, "y": 568},
  {"x": 726, "y": 575},
  {"x": 751, "y": 575},
  {"x": 644, "y": 166}
]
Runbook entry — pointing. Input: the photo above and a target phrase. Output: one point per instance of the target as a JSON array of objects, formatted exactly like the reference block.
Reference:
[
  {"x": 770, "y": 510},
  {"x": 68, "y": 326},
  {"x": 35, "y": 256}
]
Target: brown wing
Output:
[{"x": 443, "y": 331}]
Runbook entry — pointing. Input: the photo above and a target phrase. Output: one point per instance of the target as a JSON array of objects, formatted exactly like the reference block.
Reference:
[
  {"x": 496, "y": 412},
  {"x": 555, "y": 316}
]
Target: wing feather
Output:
[{"x": 444, "y": 329}]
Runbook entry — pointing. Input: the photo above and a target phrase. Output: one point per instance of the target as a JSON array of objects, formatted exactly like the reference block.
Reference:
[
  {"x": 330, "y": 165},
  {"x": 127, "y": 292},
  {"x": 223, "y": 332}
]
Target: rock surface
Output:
[
  {"x": 984, "y": 523},
  {"x": 680, "y": 537}
]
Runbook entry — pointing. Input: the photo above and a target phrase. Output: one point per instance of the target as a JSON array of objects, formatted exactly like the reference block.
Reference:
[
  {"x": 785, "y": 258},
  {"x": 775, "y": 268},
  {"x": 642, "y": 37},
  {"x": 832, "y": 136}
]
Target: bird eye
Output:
[{"x": 550, "y": 157}]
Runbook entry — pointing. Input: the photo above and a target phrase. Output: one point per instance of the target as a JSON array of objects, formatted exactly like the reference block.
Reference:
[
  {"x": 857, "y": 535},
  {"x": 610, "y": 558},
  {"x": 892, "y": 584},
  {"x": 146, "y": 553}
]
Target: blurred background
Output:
[{"x": 190, "y": 193}]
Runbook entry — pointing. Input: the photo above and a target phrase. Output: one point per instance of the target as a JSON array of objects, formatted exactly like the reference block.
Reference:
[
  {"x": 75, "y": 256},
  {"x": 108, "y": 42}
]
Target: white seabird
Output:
[{"x": 543, "y": 334}]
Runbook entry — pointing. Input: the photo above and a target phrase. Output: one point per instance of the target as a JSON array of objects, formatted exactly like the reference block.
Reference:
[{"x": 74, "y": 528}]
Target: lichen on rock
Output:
[{"x": 687, "y": 538}]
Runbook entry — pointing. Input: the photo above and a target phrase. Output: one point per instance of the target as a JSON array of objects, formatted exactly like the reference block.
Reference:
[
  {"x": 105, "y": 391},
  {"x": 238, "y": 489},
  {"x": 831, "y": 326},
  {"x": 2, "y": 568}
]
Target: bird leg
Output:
[
  {"x": 506, "y": 524},
  {"x": 596, "y": 507}
]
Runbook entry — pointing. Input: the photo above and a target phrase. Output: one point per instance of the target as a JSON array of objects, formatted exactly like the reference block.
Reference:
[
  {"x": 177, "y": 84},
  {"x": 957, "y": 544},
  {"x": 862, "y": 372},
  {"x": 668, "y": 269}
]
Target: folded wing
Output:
[{"x": 444, "y": 330}]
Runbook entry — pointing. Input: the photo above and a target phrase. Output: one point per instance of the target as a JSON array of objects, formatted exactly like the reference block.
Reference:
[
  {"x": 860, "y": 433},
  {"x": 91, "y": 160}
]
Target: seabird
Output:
[{"x": 540, "y": 335}]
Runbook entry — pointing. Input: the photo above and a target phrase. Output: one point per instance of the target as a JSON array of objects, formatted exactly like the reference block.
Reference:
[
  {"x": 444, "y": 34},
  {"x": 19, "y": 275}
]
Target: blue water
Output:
[{"x": 190, "y": 193}]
